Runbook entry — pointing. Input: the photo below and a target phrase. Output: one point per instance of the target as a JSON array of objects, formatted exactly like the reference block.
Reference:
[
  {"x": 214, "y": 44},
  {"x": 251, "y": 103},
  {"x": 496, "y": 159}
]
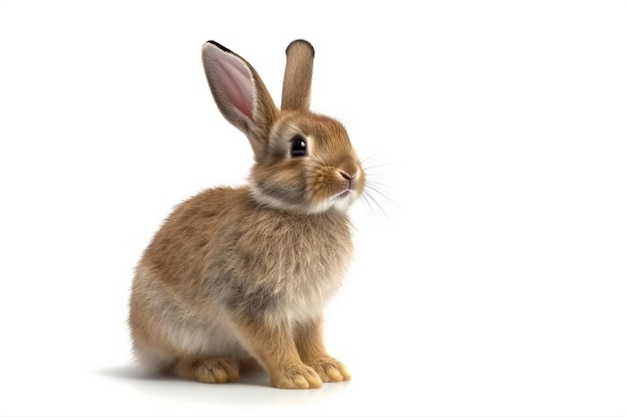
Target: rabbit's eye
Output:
[{"x": 298, "y": 146}]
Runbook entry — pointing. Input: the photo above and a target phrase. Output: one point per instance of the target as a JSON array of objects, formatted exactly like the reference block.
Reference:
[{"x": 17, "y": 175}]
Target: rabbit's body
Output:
[
  {"x": 239, "y": 276},
  {"x": 184, "y": 302}
]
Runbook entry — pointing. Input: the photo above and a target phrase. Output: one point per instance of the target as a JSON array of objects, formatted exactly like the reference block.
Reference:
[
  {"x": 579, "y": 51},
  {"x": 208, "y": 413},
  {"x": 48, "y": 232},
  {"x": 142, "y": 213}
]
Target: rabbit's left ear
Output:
[
  {"x": 298, "y": 74},
  {"x": 240, "y": 94}
]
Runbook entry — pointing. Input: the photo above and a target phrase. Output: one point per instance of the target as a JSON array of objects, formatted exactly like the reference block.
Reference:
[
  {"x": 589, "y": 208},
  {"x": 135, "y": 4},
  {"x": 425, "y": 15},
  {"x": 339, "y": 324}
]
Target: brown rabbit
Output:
[{"x": 240, "y": 276}]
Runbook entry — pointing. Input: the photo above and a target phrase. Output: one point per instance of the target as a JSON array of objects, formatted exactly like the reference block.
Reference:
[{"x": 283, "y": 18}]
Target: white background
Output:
[{"x": 492, "y": 283}]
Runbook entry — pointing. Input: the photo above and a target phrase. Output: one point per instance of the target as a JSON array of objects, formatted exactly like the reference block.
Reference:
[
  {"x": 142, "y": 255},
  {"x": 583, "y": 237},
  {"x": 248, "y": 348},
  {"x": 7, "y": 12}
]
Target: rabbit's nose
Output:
[
  {"x": 346, "y": 176},
  {"x": 349, "y": 178},
  {"x": 348, "y": 169}
]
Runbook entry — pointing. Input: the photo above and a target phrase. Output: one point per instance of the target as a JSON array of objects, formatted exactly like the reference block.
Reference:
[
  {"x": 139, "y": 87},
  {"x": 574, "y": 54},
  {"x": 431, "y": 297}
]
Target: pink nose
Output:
[{"x": 346, "y": 176}]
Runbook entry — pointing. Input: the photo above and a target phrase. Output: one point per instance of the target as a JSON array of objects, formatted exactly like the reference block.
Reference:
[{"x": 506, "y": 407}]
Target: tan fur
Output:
[
  {"x": 298, "y": 76},
  {"x": 237, "y": 277}
]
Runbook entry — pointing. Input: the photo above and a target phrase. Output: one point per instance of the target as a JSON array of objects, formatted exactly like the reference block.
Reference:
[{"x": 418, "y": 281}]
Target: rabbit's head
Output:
[{"x": 303, "y": 161}]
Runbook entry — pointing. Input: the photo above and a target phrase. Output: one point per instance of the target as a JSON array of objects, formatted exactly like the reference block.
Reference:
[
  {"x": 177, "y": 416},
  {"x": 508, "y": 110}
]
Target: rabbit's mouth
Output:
[
  {"x": 349, "y": 192},
  {"x": 344, "y": 194},
  {"x": 343, "y": 199}
]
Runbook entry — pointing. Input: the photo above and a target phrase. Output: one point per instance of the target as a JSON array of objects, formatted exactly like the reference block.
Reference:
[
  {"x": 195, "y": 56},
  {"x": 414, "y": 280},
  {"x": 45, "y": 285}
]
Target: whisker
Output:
[
  {"x": 381, "y": 190},
  {"x": 370, "y": 199},
  {"x": 367, "y": 159},
  {"x": 375, "y": 190},
  {"x": 372, "y": 204},
  {"x": 369, "y": 167},
  {"x": 378, "y": 184},
  {"x": 365, "y": 162},
  {"x": 366, "y": 200}
]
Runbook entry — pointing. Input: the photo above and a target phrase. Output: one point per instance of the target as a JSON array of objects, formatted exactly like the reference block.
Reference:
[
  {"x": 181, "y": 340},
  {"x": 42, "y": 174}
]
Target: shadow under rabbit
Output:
[
  {"x": 254, "y": 386},
  {"x": 130, "y": 372}
]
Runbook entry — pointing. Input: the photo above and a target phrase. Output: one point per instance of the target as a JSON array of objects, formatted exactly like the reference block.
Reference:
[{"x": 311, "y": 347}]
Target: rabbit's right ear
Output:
[
  {"x": 240, "y": 94},
  {"x": 298, "y": 74}
]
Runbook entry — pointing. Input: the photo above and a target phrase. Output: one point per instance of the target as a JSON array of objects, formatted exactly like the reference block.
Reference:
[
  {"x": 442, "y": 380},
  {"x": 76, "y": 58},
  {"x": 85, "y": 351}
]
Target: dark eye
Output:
[{"x": 298, "y": 146}]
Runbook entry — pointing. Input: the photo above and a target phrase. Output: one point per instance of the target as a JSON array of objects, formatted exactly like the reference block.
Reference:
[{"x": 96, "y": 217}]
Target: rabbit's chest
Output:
[{"x": 288, "y": 273}]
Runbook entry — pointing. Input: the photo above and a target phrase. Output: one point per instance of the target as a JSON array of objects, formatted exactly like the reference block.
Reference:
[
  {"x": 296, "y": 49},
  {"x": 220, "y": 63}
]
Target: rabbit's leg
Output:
[
  {"x": 310, "y": 345},
  {"x": 209, "y": 370},
  {"x": 275, "y": 349}
]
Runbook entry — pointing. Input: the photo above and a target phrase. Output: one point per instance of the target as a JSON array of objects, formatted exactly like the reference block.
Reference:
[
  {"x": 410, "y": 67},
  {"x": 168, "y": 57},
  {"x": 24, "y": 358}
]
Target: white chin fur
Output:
[
  {"x": 339, "y": 203},
  {"x": 343, "y": 203}
]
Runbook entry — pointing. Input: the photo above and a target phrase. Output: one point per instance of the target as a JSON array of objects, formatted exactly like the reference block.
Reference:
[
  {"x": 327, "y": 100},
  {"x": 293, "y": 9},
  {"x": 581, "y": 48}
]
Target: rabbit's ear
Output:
[
  {"x": 240, "y": 94},
  {"x": 298, "y": 74}
]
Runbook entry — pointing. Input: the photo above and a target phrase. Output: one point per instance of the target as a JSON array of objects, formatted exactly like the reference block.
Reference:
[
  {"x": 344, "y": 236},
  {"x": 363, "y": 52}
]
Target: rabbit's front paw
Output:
[
  {"x": 330, "y": 369},
  {"x": 296, "y": 377}
]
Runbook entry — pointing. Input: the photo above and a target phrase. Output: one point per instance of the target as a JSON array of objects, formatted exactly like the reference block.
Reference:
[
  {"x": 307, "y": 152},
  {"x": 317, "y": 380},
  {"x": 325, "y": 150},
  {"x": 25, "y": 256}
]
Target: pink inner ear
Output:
[{"x": 235, "y": 82}]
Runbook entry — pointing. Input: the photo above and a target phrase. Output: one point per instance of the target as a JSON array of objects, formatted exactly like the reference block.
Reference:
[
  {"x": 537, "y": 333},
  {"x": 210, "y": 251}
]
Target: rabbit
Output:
[{"x": 237, "y": 277}]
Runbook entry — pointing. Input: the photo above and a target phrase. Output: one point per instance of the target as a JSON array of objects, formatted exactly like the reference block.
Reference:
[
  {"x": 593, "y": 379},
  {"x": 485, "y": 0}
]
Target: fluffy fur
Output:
[{"x": 239, "y": 277}]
